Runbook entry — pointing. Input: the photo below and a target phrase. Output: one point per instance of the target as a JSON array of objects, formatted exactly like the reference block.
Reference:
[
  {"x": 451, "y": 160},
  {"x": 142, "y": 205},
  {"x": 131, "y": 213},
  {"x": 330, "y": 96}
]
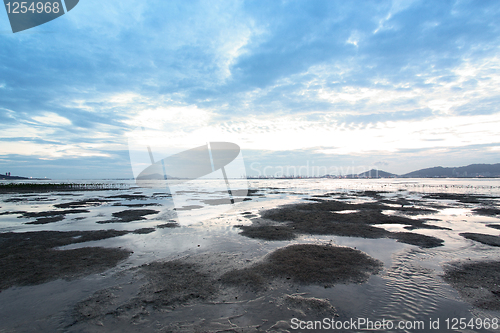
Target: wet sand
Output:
[
  {"x": 167, "y": 286},
  {"x": 478, "y": 282}
]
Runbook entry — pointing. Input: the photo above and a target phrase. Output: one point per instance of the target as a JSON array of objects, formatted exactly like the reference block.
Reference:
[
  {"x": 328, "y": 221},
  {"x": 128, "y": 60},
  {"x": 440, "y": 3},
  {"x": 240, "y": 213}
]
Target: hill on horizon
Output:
[
  {"x": 374, "y": 173},
  {"x": 469, "y": 171},
  {"x": 472, "y": 170}
]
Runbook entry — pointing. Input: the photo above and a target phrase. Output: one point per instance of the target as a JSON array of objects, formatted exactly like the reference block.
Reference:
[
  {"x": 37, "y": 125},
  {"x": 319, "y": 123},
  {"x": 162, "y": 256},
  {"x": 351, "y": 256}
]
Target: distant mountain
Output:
[
  {"x": 154, "y": 176},
  {"x": 373, "y": 173},
  {"x": 473, "y": 170},
  {"x": 469, "y": 171}
]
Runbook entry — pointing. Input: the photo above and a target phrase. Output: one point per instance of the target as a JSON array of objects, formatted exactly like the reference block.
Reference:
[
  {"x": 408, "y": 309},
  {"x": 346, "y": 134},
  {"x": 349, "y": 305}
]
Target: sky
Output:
[{"x": 339, "y": 86}]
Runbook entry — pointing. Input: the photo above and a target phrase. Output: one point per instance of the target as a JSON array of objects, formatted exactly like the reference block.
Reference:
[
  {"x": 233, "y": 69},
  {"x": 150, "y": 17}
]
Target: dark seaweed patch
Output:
[
  {"x": 494, "y": 226},
  {"x": 272, "y": 233},
  {"x": 168, "y": 225},
  {"x": 130, "y": 215},
  {"x": 423, "y": 241},
  {"x": 45, "y": 220},
  {"x": 30, "y": 258},
  {"x": 486, "y": 211},
  {"x": 128, "y": 196},
  {"x": 482, "y": 238},
  {"x": 189, "y": 207},
  {"x": 12, "y": 213},
  {"x": 371, "y": 193},
  {"x": 143, "y": 231},
  {"x": 321, "y": 218},
  {"x": 335, "y": 206},
  {"x": 54, "y": 213},
  {"x": 51, "y": 216},
  {"x": 82, "y": 203},
  {"x": 251, "y": 193},
  {"x": 463, "y": 198},
  {"x": 136, "y": 205},
  {"x": 162, "y": 195},
  {"x": 307, "y": 264}
]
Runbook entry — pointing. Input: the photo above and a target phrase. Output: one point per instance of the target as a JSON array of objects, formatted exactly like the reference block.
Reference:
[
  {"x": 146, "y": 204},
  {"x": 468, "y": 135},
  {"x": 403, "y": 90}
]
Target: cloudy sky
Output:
[{"x": 398, "y": 85}]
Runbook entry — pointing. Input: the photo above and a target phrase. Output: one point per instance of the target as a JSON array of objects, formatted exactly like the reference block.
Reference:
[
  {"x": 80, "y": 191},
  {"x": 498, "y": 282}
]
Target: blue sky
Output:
[{"x": 398, "y": 85}]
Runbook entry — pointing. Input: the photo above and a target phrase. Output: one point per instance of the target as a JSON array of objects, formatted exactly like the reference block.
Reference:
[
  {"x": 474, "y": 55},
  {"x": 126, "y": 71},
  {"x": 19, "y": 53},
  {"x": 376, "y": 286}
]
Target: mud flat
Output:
[
  {"x": 218, "y": 280},
  {"x": 268, "y": 232},
  {"x": 326, "y": 217},
  {"x": 31, "y": 258},
  {"x": 166, "y": 285},
  {"x": 477, "y": 282},
  {"x": 487, "y": 211},
  {"x": 130, "y": 215},
  {"x": 170, "y": 224},
  {"x": 128, "y": 196},
  {"x": 482, "y": 238},
  {"x": 45, "y": 217},
  {"x": 309, "y": 264},
  {"x": 51, "y": 216},
  {"x": 159, "y": 288},
  {"x": 254, "y": 286},
  {"x": 494, "y": 226},
  {"x": 92, "y": 202}
]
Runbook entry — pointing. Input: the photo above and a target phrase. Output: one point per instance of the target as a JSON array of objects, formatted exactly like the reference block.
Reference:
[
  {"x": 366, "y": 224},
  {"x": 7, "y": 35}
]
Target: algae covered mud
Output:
[{"x": 294, "y": 255}]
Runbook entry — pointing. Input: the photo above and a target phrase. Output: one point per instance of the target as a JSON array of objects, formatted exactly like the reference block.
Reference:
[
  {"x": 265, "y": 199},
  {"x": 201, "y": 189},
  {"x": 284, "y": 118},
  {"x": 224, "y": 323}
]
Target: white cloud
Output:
[
  {"x": 171, "y": 118},
  {"x": 48, "y": 151},
  {"x": 51, "y": 119},
  {"x": 179, "y": 128}
]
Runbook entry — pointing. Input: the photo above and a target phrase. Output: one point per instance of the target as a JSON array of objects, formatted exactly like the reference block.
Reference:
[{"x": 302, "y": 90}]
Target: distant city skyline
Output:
[{"x": 393, "y": 85}]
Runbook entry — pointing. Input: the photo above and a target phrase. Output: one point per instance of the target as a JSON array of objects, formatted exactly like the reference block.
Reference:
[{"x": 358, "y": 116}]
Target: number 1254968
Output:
[{"x": 38, "y": 7}]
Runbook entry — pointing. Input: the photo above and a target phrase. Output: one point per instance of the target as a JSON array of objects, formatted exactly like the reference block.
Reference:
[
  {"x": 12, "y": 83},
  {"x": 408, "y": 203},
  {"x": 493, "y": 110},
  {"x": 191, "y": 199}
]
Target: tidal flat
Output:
[{"x": 121, "y": 258}]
